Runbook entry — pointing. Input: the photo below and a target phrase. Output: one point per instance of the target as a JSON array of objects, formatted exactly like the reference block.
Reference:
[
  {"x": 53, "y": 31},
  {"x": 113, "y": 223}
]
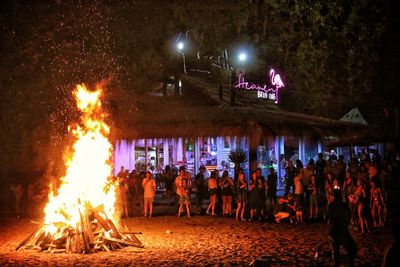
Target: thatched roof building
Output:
[{"x": 200, "y": 111}]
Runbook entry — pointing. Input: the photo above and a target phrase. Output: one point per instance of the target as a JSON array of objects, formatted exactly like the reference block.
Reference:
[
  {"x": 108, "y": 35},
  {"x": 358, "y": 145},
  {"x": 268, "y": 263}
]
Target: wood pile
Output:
[{"x": 92, "y": 233}]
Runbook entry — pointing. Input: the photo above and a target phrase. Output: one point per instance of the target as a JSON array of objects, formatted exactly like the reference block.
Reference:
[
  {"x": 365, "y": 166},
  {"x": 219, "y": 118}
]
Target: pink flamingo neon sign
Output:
[{"x": 263, "y": 91}]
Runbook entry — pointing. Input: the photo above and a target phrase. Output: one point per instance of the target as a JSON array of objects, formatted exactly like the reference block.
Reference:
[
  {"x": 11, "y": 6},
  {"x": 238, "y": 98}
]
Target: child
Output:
[
  {"x": 184, "y": 197},
  {"x": 312, "y": 188}
]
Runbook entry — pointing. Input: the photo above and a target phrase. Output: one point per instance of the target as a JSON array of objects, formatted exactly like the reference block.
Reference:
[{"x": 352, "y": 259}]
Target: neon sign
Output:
[{"x": 263, "y": 91}]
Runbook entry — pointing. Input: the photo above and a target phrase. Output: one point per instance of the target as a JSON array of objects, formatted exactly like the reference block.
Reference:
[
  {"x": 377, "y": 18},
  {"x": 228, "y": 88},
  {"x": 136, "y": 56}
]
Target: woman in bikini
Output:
[
  {"x": 376, "y": 203},
  {"x": 359, "y": 199}
]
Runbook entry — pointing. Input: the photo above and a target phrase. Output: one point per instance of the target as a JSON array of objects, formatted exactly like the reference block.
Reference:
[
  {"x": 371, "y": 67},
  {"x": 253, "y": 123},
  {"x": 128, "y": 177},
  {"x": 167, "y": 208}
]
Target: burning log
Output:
[
  {"x": 73, "y": 224},
  {"x": 86, "y": 232},
  {"x": 115, "y": 232},
  {"x": 132, "y": 233},
  {"x": 102, "y": 222},
  {"x": 61, "y": 250},
  {"x": 123, "y": 242},
  {"x": 28, "y": 238},
  {"x": 83, "y": 238}
]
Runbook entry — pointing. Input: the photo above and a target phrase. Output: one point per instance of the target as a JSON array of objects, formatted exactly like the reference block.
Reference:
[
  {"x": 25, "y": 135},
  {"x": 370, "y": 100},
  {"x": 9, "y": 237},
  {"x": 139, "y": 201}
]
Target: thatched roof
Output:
[{"x": 199, "y": 112}]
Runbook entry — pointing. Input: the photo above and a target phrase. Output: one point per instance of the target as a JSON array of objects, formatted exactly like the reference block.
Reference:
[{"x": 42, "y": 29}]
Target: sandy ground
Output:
[{"x": 200, "y": 241}]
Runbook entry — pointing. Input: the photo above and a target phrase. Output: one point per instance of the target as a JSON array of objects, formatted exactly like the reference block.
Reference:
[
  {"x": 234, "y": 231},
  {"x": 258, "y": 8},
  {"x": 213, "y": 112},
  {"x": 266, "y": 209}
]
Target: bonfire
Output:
[{"x": 80, "y": 216}]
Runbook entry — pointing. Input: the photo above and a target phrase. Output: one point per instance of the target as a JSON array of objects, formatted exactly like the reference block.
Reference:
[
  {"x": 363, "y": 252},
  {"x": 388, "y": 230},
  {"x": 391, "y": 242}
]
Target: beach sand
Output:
[{"x": 200, "y": 241}]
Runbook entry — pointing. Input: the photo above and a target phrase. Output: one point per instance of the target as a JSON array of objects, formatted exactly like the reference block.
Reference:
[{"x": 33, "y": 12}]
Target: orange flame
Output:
[{"x": 86, "y": 182}]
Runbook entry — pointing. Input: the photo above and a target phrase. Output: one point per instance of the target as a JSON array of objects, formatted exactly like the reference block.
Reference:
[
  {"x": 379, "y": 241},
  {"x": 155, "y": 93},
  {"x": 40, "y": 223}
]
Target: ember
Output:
[{"x": 79, "y": 215}]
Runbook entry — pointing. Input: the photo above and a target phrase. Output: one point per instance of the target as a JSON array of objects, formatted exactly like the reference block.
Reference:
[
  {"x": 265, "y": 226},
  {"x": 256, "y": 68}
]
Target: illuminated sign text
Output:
[{"x": 270, "y": 92}]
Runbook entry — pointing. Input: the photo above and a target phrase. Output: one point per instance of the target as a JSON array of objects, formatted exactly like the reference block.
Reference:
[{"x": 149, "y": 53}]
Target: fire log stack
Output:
[{"x": 93, "y": 233}]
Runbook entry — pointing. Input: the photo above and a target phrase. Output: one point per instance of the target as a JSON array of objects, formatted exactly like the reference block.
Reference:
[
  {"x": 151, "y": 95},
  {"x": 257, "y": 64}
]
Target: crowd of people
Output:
[
  {"x": 308, "y": 191},
  {"x": 328, "y": 190}
]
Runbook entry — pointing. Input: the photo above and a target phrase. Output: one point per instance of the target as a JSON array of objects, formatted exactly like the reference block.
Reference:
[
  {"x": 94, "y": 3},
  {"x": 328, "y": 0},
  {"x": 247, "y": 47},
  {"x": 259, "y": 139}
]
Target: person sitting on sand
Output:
[
  {"x": 285, "y": 208},
  {"x": 184, "y": 197}
]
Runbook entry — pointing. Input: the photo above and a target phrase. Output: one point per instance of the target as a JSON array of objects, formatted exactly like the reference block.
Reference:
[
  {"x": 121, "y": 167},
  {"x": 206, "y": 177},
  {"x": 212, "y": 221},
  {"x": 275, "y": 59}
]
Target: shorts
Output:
[
  {"x": 149, "y": 199},
  {"x": 213, "y": 191},
  {"x": 314, "y": 200},
  {"x": 241, "y": 198},
  {"x": 226, "y": 191},
  {"x": 184, "y": 200}
]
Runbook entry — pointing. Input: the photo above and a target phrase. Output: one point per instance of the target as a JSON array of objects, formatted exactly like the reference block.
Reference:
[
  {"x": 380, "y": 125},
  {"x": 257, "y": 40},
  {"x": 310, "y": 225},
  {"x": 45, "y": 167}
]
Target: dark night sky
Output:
[{"x": 335, "y": 56}]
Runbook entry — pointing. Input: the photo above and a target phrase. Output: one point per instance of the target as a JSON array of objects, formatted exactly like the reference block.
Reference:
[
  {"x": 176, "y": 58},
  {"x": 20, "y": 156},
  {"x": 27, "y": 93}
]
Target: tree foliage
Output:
[{"x": 328, "y": 52}]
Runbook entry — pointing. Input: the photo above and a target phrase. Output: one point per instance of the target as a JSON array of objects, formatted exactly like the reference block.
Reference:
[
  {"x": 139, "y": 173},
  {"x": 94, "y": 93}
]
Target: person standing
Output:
[
  {"x": 330, "y": 184},
  {"x": 168, "y": 178},
  {"x": 184, "y": 198},
  {"x": 261, "y": 208},
  {"x": 201, "y": 186},
  {"x": 320, "y": 174},
  {"x": 307, "y": 172},
  {"x": 313, "y": 195},
  {"x": 132, "y": 191},
  {"x": 376, "y": 204},
  {"x": 359, "y": 200},
  {"x": 289, "y": 177},
  {"x": 212, "y": 189},
  {"x": 121, "y": 172},
  {"x": 139, "y": 188},
  {"x": 339, "y": 235},
  {"x": 178, "y": 182},
  {"x": 298, "y": 186},
  {"x": 272, "y": 180},
  {"x": 241, "y": 196},
  {"x": 123, "y": 190},
  {"x": 149, "y": 185},
  {"x": 226, "y": 184},
  {"x": 340, "y": 169},
  {"x": 254, "y": 195}
]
